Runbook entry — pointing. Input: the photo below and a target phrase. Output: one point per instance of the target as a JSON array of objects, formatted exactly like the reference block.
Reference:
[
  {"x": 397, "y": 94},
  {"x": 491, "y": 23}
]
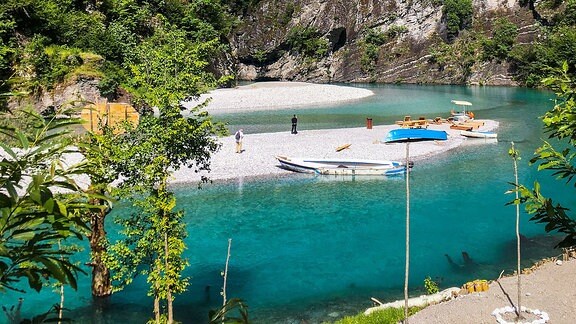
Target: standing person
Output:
[
  {"x": 239, "y": 136},
  {"x": 294, "y": 123}
]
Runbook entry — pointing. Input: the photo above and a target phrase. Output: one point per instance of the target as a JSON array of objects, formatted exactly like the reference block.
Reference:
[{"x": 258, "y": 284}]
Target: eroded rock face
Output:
[
  {"x": 263, "y": 52},
  {"x": 80, "y": 90}
]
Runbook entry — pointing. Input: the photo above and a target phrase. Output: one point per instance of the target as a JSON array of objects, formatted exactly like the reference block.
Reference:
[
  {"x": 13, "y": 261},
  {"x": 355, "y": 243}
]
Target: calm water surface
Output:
[{"x": 312, "y": 249}]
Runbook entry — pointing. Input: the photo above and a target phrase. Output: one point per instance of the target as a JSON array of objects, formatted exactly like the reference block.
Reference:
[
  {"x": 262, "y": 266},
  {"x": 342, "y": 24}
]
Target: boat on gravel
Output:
[
  {"x": 414, "y": 135},
  {"x": 338, "y": 166},
  {"x": 477, "y": 134}
]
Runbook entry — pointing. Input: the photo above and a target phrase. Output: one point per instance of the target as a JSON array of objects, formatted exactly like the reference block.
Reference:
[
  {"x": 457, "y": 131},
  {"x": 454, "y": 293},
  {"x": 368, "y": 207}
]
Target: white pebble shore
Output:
[{"x": 258, "y": 159}]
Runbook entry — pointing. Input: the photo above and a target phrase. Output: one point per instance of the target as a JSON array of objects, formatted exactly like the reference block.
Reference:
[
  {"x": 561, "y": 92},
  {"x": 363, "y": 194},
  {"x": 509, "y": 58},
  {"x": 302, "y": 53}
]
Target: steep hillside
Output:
[{"x": 410, "y": 41}]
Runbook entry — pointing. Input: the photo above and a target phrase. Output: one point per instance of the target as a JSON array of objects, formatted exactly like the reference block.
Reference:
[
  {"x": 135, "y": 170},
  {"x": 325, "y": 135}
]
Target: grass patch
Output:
[{"x": 385, "y": 316}]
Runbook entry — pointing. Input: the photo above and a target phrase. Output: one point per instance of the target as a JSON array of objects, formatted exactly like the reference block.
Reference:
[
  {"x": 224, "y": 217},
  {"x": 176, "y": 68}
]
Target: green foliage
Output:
[
  {"x": 307, "y": 42},
  {"x": 371, "y": 43},
  {"x": 145, "y": 157},
  {"x": 395, "y": 31},
  {"x": 374, "y": 37},
  {"x": 33, "y": 214},
  {"x": 502, "y": 40},
  {"x": 430, "y": 286},
  {"x": 560, "y": 124},
  {"x": 385, "y": 316},
  {"x": 371, "y": 48},
  {"x": 458, "y": 15},
  {"x": 223, "y": 314},
  {"x": 458, "y": 57},
  {"x": 568, "y": 17},
  {"x": 42, "y": 31},
  {"x": 533, "y": 62},
  {"x": 51, "y": 316},
  {"x": 168, "y": 68}
]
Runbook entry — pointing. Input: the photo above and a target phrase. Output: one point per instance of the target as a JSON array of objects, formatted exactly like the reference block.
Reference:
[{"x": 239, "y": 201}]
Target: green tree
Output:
[
  {"x": 560, "y": 123},
  {"x": 40, "y": 203},
  {"x": 458, "y": 16},
  {"x": 154, "y": 234},
  {"x": 307, "y": 42},
  {"x": 166, "y": 70},
  {"x": 502, "y": 40}
]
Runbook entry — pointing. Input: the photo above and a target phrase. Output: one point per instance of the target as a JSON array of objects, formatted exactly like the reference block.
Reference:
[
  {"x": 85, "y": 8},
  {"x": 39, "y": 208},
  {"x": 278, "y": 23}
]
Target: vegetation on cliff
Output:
[{"x": 46, "y": 42}]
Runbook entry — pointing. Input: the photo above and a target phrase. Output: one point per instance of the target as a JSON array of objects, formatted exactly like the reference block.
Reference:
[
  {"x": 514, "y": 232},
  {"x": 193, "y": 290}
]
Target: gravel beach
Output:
[
  {"x": 278, "y": 95},
  {"x": 258, "y": 158}
]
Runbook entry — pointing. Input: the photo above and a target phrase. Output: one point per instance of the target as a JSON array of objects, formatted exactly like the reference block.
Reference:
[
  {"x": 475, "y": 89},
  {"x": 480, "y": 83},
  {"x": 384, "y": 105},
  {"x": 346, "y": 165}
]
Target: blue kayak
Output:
[{"x": 415, "y": 135}]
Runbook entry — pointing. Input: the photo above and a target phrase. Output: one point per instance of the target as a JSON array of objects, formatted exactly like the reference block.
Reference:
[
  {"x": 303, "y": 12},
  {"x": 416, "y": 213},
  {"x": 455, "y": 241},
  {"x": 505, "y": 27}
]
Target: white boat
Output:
[
  {"x": 476, "y": 134},
  {"x": 341, "y": 166},
  {"x": 463, "y": 115}
]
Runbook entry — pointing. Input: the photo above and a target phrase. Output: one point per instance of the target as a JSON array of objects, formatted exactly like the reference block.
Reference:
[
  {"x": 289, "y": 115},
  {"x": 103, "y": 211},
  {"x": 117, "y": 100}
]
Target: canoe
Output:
[
  {"x": 338, "y": 166},
  {"x": 477, "y": 134},
  {"x": 414, "y": 135},
  {"x": 362, "y": 171}
]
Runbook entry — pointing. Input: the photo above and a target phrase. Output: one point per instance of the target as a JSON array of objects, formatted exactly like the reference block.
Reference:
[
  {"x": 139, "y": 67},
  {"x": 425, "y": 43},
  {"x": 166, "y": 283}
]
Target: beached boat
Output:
[
  {"x": 461, "y": 115},
  {"x": 476, "y": 134},
  {"x": 415, "y": 135},
  {"x": 338, "y": 166},
  {"x": 361, "y": 171}
]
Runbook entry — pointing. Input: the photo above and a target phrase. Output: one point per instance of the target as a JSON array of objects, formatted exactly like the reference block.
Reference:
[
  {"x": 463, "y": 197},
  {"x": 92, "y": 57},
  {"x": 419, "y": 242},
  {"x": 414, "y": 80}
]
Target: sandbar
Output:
[
  {"x": 278, "y": 95},
  {"x": 258, "y": 158}
]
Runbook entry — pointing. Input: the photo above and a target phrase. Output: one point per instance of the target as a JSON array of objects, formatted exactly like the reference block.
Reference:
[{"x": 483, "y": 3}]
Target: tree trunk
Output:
[
  {"x": 101, "y": 284},
  {"x": 157, "y": 307},
  {"x": 169, "y": 290}
]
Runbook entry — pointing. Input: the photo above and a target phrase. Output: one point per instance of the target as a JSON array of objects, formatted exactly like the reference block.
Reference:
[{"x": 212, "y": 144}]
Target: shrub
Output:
[
  {"x": 431, "y": 286},
  {"x": 458, "y": 15},
  {"x": 502, "y": 40},
  {"x": 307, "y": 42}
]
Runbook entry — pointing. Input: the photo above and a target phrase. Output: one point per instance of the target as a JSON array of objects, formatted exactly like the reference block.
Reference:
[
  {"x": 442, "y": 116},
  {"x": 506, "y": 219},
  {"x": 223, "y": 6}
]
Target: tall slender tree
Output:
[
  {"x": 515, "y": 155},
  {"x": 169, "y": 70}
]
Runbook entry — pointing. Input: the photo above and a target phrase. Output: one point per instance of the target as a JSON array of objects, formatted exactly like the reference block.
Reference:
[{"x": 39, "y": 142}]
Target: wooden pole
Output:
[
  {"x": 519, "y": 305},
  {"x": 407, "y": 232}
]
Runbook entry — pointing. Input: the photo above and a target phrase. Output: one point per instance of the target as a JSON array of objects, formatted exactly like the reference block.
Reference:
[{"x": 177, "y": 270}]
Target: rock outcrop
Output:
[{"x": 416, "y": 28}]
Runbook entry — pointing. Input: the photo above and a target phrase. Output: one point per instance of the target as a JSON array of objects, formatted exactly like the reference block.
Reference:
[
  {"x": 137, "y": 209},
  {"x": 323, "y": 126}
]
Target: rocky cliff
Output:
[{"x": 414, "y": 47}]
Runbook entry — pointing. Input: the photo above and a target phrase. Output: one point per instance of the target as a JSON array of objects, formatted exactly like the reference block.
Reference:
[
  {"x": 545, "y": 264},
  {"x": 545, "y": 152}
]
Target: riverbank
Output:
[
  {"x": 549, "y": 288},
  {"x": 278, "y": 95},
  {"x": 258, "y": 157}
]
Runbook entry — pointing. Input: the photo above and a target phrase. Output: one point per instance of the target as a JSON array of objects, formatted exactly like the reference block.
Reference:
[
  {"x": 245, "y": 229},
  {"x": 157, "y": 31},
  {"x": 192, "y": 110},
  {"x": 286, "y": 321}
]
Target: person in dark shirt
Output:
[{"x": 294, "y": 123}]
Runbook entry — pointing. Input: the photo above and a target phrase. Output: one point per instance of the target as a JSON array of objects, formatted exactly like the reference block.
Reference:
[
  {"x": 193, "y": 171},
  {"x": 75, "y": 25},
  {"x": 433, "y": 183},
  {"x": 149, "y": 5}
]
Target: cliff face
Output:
[{"x": 416, "y": 30}]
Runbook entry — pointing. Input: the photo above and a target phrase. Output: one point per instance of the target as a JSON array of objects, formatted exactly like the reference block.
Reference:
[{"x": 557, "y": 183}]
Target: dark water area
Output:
[{"x": 314, "y": 249}]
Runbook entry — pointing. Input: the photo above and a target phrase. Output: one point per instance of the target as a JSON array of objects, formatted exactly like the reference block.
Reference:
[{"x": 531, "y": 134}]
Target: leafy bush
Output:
[
  {"x": 371, "y": 48},
  {"x": 431, "y": 286},
  {"x": 395, "y": 30},
  {"x": 502, "y": 40},
  {"x": 307, "y": 42},
  {"x": 533, "y": 61},
  {"x": 458, "y": 15},
  {"x": 374, "y": 37}
]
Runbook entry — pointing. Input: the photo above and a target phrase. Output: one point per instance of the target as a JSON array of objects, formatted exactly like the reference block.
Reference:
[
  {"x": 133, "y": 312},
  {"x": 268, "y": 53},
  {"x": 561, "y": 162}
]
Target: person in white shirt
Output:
[{"x": 239, "y": 136}]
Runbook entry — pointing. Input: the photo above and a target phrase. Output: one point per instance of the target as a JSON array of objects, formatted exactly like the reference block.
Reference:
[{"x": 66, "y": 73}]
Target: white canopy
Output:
[{"x": 461, "y": 103}]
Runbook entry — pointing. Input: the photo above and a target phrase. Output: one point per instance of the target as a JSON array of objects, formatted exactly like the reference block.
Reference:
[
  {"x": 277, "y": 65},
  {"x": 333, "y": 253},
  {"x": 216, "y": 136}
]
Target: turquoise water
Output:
[{"x": 305, "y": 248}]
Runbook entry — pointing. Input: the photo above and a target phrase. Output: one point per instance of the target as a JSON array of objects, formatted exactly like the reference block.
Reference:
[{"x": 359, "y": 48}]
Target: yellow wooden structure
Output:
[{"x": 110, "y": 114}]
